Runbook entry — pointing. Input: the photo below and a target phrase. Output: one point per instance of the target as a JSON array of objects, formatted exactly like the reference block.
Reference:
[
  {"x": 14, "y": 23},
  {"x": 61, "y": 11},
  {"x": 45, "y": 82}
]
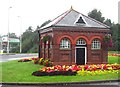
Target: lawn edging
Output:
[{"x": 58, "y": 83}]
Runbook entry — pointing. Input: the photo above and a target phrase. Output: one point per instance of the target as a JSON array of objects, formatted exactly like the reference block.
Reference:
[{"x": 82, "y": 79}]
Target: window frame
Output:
[
  {"x": 65, "y": 43},
  {"x": 81, "y": 41},
  {"x": 96, "y": 44}
]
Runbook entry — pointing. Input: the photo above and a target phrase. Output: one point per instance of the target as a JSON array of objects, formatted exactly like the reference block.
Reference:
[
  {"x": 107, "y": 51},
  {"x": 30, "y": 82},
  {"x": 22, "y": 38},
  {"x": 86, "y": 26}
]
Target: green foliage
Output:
[
  {"x": 114, "y": 28},
  {"x": 45, "y": 23},
  {"x": 30, "y": 41},
  {"x": 96, "y": 15},
  {"x": 15, "y": 49},
  {"x": 47, "y": 62},
  {"x": 97, "y": 72},
  {"x": 12, "y": 35},
  {"x": 42, "y": 61},
  {"x": 118, "y": 39},
  {"x": 115, "y": 31},
  {"x": 46, "y": 38},
  {"x": 108, "y": 22},
  {"x": 106, "y": 39}
]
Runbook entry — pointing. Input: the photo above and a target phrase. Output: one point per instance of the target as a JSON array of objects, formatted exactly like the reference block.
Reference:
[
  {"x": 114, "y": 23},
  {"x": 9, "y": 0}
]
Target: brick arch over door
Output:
[
  {"x": 95, "y": 37},
  {"x": 82, "y": 37},
  {"x": 65, "y": 36}
]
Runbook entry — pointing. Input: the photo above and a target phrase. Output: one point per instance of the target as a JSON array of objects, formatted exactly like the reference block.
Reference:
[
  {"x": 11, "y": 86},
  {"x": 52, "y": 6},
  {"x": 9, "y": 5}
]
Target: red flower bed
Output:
[
  {"x": 114, "y": 54},
  {"x": 27, "y": 59},
  {"x": 71, "y": 70},
  {"x": 24, "y": 60},
  {"x": 42, "y": 61},
  {"x": 34, "y": 59}
]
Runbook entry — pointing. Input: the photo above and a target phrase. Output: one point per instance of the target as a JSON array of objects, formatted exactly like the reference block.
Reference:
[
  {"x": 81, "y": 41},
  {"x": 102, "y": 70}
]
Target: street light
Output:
[
  {"x": 8, "y": 30},
  {"x": 20, "y": 33}
]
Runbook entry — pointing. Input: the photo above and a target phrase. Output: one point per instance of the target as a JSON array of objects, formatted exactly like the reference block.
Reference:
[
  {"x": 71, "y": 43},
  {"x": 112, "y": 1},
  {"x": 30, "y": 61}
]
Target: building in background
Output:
[{"x": 4, "y": 42}]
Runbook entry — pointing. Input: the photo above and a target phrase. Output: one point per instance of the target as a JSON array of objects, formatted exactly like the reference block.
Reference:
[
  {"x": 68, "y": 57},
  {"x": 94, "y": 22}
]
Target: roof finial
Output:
[{"x": 71, "y": 8}]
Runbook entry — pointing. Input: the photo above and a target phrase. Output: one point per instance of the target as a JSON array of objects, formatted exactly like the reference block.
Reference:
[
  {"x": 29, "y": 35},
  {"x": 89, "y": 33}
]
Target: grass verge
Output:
[
  {"x": 14, "y": 71},
  {"x": 113, "y": 59}
]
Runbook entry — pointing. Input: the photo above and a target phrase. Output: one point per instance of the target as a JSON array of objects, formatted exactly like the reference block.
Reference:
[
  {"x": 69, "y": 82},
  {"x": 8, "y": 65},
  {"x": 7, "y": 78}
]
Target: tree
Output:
[
  {"x": 45, "y": 23},
  {"x": 108, "y": 22},
  {"x": 15, "y": 48},
  {"x": 118, "y": 39},
  {"x": 30, "y": 40},
  {"x": 114, "y": 28},
  {"x": 27, "y": 40},
  {"x": 13, "y": 35},
  {"x": 96, "y": 15},
  {"x": 27, "y": 33}
]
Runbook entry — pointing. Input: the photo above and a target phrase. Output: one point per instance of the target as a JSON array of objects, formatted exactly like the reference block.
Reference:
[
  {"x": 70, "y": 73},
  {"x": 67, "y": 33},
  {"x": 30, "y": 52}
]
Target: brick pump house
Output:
[{"x": 73, "y": 38}]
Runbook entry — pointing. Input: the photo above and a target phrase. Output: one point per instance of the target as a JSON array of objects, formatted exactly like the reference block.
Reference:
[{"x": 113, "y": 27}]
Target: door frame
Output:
[{"x": 85, "y": 53}]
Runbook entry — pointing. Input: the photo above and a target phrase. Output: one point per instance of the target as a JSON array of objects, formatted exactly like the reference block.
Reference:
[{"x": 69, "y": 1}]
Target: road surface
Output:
[
  {"x": 107, "y": 84},
  {"x": 8, "y": 57}
]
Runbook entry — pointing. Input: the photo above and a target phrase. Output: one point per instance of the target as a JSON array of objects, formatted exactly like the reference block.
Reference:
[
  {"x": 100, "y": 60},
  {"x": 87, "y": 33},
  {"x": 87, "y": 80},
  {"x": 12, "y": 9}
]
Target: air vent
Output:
[{"x": 80, "y": 20}]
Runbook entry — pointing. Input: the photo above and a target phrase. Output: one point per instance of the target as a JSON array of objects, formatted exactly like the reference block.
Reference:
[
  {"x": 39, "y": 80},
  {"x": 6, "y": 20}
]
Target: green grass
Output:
[
  {"x": 14, "y": 71},
  {"x": 0, "y": 72},
  {"x": 113, "y": 59},
  {"x": 113, "y": 51}
]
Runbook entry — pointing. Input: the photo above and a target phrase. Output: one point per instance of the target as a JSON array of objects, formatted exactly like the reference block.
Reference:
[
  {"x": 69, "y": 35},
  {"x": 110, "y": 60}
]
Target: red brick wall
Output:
[{"x": 67, "y": 57}]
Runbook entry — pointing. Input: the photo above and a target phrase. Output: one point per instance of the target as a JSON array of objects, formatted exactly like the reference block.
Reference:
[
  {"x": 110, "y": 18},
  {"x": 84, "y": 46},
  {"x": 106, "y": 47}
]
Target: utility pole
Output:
[
  {"x": 20, "y": 33},
  {"x": 8, "y": 31}
]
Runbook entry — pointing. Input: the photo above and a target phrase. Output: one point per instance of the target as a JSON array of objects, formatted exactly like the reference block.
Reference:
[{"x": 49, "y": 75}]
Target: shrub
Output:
[
  {"x": 36, "y": 61},
  {"x": 47, "y": 63},
  {"x": 41, "y": 61}
]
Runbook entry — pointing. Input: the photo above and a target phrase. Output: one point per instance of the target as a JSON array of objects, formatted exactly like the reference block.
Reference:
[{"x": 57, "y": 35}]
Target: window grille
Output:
[
  {"x": 96, "y": 44},
  {"x": 65, "y": 43},
  {"x": 81, "y": 42}
]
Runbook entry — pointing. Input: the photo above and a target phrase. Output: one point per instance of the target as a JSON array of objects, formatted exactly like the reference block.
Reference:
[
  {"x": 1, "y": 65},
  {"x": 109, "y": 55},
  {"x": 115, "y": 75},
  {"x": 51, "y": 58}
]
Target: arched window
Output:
[
  {"x": 96, "y": 44},
  {"x": 81, "y": 42},
  {"x": 65, "y": 43}
]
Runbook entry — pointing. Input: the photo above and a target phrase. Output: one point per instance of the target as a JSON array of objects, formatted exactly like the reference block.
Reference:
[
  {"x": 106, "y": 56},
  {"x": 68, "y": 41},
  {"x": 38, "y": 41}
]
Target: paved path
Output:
[{"x": 8, "y": 57}]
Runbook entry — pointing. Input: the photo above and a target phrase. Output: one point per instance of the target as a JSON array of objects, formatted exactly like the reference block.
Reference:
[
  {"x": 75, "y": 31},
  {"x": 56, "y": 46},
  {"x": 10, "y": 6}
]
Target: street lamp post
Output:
[
  {"x": 39, "y": 49},
  {"x": 20, "y": 34},
  {"x": 8, "y": 31}
]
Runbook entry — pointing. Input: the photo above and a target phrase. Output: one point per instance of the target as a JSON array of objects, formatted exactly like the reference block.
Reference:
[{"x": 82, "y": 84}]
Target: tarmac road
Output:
[
  {"x": 8, "y": 57},
  {"x": 107, "y": 84}
]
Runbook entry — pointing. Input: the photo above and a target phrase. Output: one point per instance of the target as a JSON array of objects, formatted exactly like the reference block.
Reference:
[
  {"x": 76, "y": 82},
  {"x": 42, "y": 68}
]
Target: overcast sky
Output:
[{"x": 35, "y": 12}]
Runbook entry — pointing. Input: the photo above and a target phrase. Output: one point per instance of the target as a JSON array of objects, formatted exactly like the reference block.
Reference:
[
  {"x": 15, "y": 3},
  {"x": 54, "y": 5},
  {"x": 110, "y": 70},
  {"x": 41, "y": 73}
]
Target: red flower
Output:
[
  {"x": 105, "y": 67},
  {"x": 75, "y": 68},
  {"x": 86, "y": 67}
]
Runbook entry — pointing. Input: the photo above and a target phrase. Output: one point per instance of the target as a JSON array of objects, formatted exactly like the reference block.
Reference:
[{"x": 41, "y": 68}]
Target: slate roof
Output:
[{"x": 75, "y": 19}]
